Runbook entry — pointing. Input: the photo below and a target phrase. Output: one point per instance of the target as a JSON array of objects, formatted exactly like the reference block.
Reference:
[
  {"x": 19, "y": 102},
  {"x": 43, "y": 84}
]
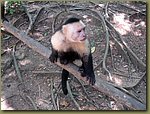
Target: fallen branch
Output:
[{"x": 101, "y": 85}]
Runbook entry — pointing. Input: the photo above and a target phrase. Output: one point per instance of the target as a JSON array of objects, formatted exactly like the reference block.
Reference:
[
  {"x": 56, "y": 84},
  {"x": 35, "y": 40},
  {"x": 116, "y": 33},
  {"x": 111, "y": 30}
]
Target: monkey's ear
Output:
[{"x": 64, "y": 29}]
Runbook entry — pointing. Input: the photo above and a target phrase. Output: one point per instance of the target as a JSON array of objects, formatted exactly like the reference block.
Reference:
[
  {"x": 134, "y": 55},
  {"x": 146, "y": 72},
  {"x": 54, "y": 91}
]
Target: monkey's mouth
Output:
[{"x": 82, "y": 39}]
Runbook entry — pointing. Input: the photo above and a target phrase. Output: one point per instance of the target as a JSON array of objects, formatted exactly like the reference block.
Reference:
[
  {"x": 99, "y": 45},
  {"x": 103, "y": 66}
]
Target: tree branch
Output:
[{"x": 101, "y": 85}]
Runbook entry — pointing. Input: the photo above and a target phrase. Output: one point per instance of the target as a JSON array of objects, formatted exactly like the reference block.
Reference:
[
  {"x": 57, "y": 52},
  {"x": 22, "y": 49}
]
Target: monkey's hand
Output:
[
  {"x": 54, "y": 55},
  {"x": 91, "y": 78},
  {"x": 82, "y": 71},
  {"x": 53, "y": 58}
]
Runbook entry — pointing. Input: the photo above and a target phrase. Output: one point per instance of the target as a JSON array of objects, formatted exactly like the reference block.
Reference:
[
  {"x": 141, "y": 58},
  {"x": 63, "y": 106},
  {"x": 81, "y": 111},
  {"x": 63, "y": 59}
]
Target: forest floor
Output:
[{"x": 40, "y": 86}]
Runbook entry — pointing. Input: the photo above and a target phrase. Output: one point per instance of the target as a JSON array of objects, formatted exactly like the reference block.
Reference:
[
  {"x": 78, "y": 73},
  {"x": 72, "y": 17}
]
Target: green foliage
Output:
[
  {"x": 13, "y": 7},
  {"x": 93, "y": 48}
]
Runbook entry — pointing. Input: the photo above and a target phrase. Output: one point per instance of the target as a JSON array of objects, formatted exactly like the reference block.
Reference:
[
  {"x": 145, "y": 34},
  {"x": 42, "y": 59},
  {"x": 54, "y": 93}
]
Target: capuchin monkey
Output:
[{"x": 69, "y": 43}]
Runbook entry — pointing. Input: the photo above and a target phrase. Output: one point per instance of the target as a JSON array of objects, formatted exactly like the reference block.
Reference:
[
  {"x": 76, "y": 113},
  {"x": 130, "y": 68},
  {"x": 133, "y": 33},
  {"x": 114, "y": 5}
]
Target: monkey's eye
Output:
[{"x": 79, "y": 31}]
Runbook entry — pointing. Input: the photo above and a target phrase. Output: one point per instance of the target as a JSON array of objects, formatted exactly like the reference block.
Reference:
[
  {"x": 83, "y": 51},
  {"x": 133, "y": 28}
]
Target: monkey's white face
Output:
[{"x": 75, "y": 32}]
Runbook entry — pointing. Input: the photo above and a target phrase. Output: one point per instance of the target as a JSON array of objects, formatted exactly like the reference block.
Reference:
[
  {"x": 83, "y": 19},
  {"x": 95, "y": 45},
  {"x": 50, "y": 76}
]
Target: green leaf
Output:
[{"x": 93, "y": 49}]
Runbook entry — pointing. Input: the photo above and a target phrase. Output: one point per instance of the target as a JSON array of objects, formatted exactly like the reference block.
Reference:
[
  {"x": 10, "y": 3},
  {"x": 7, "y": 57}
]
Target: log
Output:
[{"x": 103, "y": 86}]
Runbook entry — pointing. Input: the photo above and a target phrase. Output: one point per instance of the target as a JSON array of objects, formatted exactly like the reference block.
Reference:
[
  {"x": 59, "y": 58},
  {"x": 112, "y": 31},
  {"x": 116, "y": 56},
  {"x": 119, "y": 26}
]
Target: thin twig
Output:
[
  {"x": 112, "y": 58},
  {"x": 46, "y": 72},
  {"x": 106, "y": 10},
  {"x": 132, "y": 8},
  {"x": 57, "y": 101},
  {"x": 90, "y": 99},
  {"x": 125, "y": 54},
  {"x": 16, "y": 65},
  {"x": 70, "y": 94},
  {"x": 30, "y": 20},
  {"x": 107, "y": 44},
  {"x": 52, "y": 96},
  {"x": 54, "y": 21},
  {"x": 39, "y": 91},
  {"x": 35, "y": 21},
  {"x": 33, "y": 103},
  {"x": 99, "y": 64},
  {"x": 125, "y": 75}
]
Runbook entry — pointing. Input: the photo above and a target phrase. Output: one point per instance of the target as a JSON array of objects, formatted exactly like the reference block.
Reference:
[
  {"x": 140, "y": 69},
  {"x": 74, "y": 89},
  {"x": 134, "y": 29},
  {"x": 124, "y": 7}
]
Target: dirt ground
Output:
[{"x": 38, "y": 85}]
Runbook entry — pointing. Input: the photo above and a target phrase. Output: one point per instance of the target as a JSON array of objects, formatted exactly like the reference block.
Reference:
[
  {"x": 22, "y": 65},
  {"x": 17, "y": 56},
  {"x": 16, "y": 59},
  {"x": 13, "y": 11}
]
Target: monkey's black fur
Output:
[{"x": 69, "y": 21}]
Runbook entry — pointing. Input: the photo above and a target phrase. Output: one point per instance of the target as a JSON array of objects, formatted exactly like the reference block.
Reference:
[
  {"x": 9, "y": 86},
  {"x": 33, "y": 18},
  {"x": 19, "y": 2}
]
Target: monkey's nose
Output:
[{"x": 83, "y": 35}]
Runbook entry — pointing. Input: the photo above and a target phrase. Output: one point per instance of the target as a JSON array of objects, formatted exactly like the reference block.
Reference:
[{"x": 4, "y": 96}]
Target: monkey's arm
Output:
[{"x": 88, "y": 67}]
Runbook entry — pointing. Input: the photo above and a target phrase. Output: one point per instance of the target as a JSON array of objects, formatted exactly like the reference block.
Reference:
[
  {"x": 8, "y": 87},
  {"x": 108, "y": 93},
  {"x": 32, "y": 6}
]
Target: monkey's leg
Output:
[
  {"x": 88, "y": 67},
  {"x": 65, "y": 75}
]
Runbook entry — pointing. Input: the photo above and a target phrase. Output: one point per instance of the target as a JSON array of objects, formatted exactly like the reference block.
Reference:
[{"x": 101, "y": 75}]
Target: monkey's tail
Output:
[{"x": 65, "y": 75}]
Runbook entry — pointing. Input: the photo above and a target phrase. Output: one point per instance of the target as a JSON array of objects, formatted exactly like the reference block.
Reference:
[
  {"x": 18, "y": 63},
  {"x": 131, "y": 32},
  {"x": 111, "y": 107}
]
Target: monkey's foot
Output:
[
  {"x": 91, "y": 79},
  {"x": 81, "y": 70}
]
